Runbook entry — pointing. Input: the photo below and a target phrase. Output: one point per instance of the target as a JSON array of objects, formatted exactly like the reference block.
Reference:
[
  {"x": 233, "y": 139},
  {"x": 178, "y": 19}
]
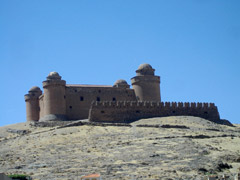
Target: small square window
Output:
[{"x": 81, "y": 98}]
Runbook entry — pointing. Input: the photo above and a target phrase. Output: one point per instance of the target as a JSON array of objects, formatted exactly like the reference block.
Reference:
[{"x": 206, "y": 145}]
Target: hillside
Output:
[{"x": 181, "y": 147}]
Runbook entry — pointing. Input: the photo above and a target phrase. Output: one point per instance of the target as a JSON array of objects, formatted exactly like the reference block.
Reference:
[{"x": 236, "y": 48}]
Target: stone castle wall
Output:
[
  {"x": 117, "y": 103},
  {"x": 79, "y": 99},
  {"x": 127, "y": 111},
  {"x": 41, "y": 105}
]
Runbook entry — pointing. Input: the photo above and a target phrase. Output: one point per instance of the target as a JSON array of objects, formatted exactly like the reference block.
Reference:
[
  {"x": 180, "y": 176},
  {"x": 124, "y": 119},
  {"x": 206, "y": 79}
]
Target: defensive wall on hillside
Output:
[{"x": 128, "y": 111}]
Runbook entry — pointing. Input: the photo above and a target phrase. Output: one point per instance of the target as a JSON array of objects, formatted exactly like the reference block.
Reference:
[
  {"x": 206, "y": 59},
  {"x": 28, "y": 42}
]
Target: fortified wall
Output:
[
  {"x": 109, "y": 103},
  {"x": 128, "y": 111}
]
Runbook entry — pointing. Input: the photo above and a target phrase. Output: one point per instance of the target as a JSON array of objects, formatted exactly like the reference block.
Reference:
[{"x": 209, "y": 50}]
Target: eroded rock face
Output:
[{"x": 158, "y": 148}]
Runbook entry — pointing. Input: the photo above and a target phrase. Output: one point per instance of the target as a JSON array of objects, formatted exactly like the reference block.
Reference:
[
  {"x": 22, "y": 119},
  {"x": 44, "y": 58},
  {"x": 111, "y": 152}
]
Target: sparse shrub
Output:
[
  {"x": 203, "y": 170},
  {"x": 222, "y": 166},
  {"x": 20, "y": 176},
  {"x": 205, "y": 152}
]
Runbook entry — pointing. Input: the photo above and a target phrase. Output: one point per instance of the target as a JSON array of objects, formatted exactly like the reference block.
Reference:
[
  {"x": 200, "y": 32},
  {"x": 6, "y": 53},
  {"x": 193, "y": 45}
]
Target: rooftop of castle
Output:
[
  {"x": 87, "y": 85},
  {"x": 121, "y": 83},
  {"x": 145, "y": 67},
  {"x": 53, "y": 75},
  {"x": 35, "y": 88}
]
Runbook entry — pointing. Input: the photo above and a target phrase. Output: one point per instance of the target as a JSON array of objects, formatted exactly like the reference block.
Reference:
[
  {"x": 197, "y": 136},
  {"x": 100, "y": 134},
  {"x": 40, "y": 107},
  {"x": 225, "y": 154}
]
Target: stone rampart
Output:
[{"x": 128, "y": 111}]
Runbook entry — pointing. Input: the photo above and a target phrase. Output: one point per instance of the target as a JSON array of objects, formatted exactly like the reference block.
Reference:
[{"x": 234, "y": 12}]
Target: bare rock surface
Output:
[{"x": 181, "y": 147}]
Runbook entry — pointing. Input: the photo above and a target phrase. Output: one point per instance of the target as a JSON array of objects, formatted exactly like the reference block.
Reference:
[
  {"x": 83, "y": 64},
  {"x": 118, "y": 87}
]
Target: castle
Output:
[{"x": 106, "y": 103}]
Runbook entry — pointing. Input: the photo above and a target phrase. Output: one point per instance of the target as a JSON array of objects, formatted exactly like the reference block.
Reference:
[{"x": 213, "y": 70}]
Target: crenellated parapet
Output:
[
  {"x": 126, "y": 104},
  {"x": 172, "y": 105},
  {"x": 127, "y": 111}
]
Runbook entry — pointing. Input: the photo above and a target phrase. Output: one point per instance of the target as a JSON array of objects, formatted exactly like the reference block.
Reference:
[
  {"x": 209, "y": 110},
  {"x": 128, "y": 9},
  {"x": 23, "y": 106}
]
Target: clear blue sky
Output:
[{"x": 194, "y": 45}]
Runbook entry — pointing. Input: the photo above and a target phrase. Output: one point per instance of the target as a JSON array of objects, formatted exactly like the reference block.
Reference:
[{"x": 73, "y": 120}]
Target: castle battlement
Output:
[
  {"x": 153, "y": 104},
  {"x": 125, "y": 111},
  {"x": 106, "y": 103}
]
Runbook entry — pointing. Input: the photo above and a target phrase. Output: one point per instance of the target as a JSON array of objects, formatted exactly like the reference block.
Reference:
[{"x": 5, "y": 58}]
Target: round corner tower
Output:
[
  {"x": 32, "y": 103},
  {"x": 145, "y": 84},
  {"x": 54, "y": 98}
]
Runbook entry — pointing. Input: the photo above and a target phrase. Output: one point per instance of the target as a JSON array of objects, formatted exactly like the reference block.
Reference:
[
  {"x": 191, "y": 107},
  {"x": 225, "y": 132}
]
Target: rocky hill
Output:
[{"x": 158, "y": 148}]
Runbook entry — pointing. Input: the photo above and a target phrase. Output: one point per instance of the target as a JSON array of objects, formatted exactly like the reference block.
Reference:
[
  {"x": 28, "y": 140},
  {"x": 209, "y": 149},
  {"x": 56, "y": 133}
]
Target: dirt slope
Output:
[{"x": 158, "y": 148}]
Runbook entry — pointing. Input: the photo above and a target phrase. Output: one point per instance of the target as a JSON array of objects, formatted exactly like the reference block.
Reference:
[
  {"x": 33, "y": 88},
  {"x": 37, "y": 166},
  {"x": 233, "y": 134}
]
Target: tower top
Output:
[
  {"x": 145, "y": 69},
  {"x": 53, "y": 76},
  {"x": 121, "y": 83},
  {"x": 35, "y": 89}
]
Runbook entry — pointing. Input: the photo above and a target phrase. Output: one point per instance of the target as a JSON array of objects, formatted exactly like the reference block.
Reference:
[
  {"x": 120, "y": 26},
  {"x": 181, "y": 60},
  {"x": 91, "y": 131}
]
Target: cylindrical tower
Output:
[
  {"x": 54, "y": 98},
  {"x": 32, "y": 103},
  {"x": 145, "y": 84}
]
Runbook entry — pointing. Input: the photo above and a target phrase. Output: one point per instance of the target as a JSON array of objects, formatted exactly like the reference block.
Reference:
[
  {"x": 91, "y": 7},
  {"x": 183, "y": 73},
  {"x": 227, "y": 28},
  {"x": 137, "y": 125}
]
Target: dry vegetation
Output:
[{"x": 188, "y": 148}]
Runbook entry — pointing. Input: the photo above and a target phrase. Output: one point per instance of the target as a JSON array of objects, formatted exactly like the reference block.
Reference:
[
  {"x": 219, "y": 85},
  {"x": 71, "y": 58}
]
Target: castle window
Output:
[
  {"x": 75, "y": 90},
  {"x": 99, "y": 91},
  {"x": 114, "y": 99},
  {"x": 64, "y": 97},
  {"x": 70, "y": 107},
  {"x": 81, "y": 98},
  {"x": 173, "y": 112},
  {"x": 102, "y": 112},
  {"x": 137, "y": 111},
  {"x": 205, "y": 112},
  {"x": 98, "y": 98}
]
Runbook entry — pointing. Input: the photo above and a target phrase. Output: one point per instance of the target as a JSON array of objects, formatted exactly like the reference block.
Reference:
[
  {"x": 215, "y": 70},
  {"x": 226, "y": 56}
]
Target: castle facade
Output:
[{"x": 106, "y": 103}]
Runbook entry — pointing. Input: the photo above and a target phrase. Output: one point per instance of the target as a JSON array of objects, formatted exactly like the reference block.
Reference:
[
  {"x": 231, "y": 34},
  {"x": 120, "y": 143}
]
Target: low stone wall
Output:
[{"x": 128, "y": 111}]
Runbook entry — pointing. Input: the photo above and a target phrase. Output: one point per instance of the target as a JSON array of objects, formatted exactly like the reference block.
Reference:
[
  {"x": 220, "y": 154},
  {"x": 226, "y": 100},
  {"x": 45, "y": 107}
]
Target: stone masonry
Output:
[{"x": 106, "y": 103}]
